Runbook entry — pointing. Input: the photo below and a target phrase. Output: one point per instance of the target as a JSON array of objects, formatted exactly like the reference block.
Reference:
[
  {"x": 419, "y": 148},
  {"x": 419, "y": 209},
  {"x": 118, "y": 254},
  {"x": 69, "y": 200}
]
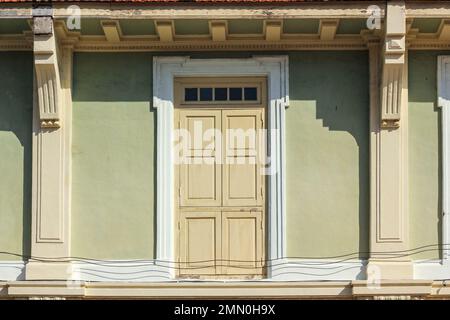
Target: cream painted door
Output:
[{"x": 221, "y": 193}]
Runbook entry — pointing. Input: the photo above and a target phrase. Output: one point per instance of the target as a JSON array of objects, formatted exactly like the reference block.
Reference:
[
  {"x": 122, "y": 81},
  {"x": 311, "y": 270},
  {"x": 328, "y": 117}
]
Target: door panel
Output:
[
  {"x": 242, "y": 180},
  {"x": 200, "y": 237},
  {"x": 242, "y": 242},
  {"x": 200, "y": 178}
]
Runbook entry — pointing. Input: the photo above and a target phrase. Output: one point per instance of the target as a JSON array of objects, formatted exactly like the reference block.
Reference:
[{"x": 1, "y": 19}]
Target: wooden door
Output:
[{"x": 220, "y": 199}]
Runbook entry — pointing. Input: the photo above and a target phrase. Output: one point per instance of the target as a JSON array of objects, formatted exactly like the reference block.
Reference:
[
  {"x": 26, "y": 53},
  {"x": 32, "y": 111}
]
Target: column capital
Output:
[
  {"x": 47, "y": 72},
  {"x": 393, "y": 60}
]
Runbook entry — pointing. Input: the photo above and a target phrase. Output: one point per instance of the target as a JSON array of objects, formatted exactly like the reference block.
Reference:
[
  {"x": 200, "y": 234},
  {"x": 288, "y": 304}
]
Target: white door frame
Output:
[{"x": 165, "y": 69}]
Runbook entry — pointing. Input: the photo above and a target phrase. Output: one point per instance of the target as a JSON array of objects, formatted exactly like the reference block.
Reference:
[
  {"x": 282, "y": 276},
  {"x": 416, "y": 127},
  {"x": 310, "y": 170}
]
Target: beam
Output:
[
  {"x": 218, "y": 30},
  {"x": 327, "y": 29},
  {"x": 273, "y": 29},
  {"x": 427, "y": 9},
  {"x": 165, "y": 30},
  {"x": 218, "y": 12},
  {"x": 444, "y": 30},
  {"x": 111, "y": 30}
]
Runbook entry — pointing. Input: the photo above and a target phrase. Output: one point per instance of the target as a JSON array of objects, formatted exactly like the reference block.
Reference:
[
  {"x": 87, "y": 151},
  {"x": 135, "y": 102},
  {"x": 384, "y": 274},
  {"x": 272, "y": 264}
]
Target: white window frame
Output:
[
  {"x": 443, "y": 84},
  {"x": 165, "y": 69}
]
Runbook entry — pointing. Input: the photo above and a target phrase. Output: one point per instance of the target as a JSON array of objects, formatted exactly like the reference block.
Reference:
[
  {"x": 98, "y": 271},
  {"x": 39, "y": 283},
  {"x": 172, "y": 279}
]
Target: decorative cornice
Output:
[
  {"x": 356, "y": 44},
  {"x": 15, "y": 45}
]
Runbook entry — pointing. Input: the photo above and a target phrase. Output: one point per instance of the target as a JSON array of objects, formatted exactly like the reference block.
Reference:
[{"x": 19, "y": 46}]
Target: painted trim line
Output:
[{"x": 443, "y": 81}]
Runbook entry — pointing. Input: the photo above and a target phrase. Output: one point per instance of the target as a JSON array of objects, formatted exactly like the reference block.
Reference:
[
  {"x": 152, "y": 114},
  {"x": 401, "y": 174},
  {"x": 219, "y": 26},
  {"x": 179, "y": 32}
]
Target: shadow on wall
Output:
[
  {"x": 332, "y": 80},
  {"x": 16, "y": 109}
]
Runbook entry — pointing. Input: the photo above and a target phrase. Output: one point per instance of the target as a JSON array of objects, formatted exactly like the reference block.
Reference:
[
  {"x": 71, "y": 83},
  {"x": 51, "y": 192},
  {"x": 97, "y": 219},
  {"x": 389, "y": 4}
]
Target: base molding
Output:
[
  {"x": 48, "y": 270},
  {"x": 358, "y": 289},
  {"x": 390, "y": 270},
  {"x": 392, "y": 289}
]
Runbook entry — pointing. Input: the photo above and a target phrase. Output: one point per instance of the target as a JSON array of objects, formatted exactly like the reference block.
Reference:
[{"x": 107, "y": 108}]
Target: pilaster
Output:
[
  {"x": 50, "y": 241},
  {"x": 389, "y": 231}
]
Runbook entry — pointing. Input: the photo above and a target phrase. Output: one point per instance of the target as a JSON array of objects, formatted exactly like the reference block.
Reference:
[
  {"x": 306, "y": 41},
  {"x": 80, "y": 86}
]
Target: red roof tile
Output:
[
  {"x": 197, "y": 1},
  {"x": 186, "y": 1}
]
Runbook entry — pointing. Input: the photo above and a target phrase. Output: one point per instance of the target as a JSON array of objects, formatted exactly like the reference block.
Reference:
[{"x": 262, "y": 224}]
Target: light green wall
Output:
[
  {"x": 424, "y": 153},
  {"x": 113, "y": 156},
  {"x": 327, "y": 155},
  {"x": 327, "y": 146},
  {"x": 16, "y": 107}
]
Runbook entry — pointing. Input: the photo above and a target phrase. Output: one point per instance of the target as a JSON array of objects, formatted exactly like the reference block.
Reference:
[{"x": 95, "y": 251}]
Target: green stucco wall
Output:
[
  {"x": 113, "y": 206},
  {"x": 424, "y": 154},
  {"x": 327, "y": 155},
  {"x": 327, "y": 146},
  {"x": 113, "y": 156},
  {"x": 16, "y": 108}
]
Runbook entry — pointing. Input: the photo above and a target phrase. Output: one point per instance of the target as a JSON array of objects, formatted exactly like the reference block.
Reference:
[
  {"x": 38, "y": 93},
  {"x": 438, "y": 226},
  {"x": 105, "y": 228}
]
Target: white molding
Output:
[
  {"x": 282, "y": 270},
  {"x": 155, "y": 271},
  {"x": 128, "y": 271},
  {"x": 12, "y": 270},
  {"x": 443, "y": 83},
  {"x": 318, "y": 270},
  {"x": 164, "y": 71},
  {"x": 431, "y": 270}
]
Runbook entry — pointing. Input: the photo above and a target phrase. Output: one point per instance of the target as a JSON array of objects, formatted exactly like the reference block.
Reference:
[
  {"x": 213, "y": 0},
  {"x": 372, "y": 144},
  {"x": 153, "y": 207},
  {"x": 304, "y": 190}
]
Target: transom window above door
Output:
[
  {"x": 221, "y": 91},
  {"x": 220, "y": 94}
]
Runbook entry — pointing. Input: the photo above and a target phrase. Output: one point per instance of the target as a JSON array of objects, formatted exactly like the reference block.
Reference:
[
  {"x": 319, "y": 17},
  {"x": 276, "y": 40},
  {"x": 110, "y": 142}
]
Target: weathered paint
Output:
[
  {"x": 327, "y": 146},
  {"x": 16, "y": 108},
  {"x": 113, "y": 156},
  {"x": 425, "y": 150}
]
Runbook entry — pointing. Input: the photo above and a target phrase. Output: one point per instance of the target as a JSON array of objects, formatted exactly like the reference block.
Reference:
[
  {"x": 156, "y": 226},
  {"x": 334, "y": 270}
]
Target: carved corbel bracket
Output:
[
  {"x": 394, "y": 50},
  {"x": 47, "y": 72}
]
